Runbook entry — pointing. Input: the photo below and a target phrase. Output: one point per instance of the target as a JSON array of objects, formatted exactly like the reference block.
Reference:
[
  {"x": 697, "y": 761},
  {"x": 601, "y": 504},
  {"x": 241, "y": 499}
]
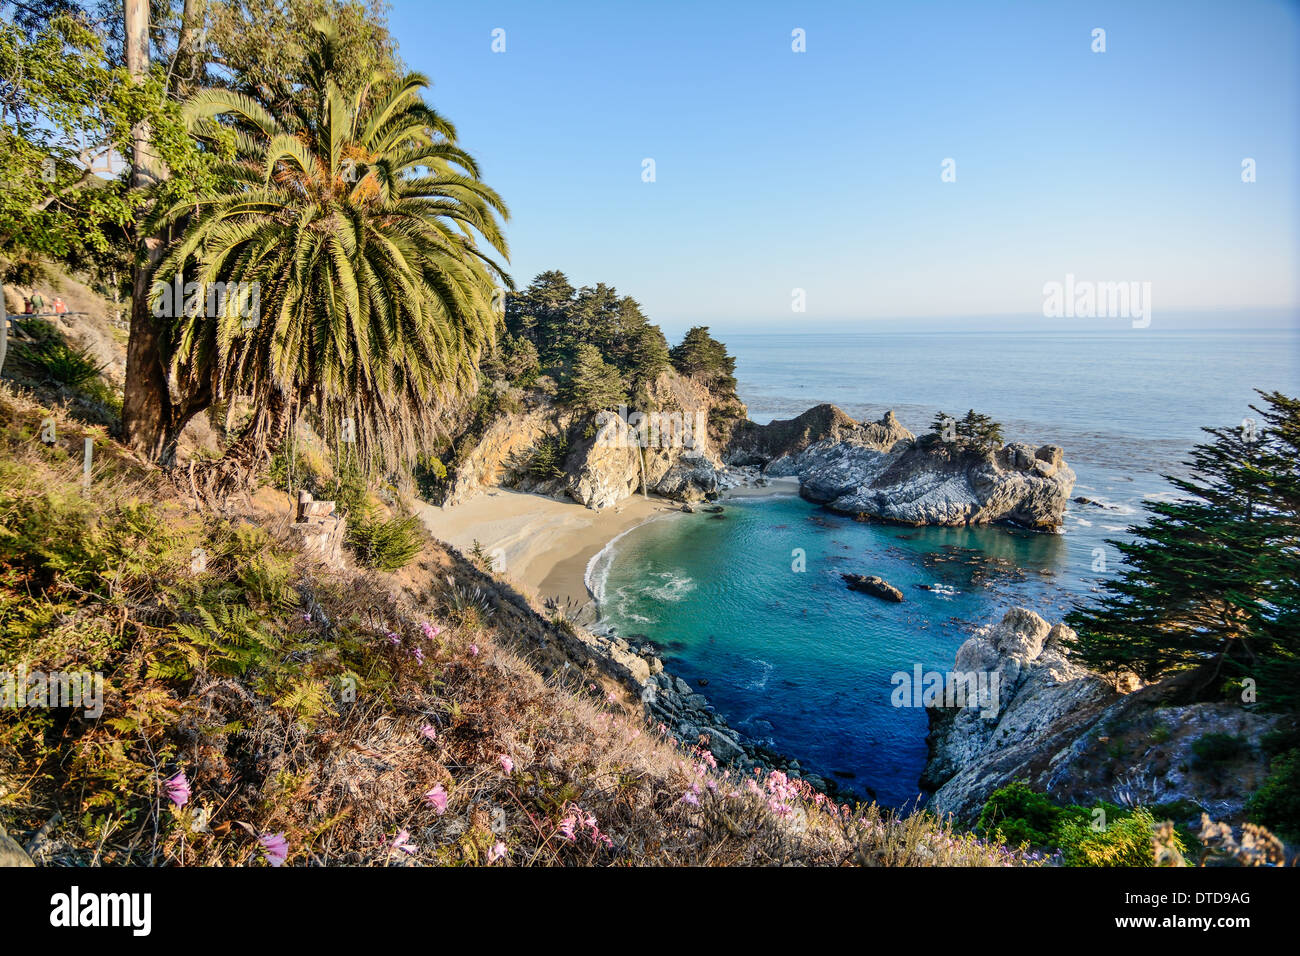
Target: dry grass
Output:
[{"x": 360, "y": 700}]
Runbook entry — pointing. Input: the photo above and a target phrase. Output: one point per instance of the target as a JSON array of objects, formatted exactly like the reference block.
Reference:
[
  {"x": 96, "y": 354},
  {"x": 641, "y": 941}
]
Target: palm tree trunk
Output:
[{"x": 244, "y": 461}]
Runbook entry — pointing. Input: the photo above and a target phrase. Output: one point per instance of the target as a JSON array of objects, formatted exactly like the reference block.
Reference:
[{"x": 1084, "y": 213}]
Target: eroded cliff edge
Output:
[{"x": 1079, "y": 736}]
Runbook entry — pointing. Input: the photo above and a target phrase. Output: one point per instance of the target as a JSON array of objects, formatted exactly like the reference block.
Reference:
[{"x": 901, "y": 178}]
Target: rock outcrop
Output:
[
  {"x": 753, "y": 444},
  {"x": 1077, "y": 735},
  {"x": 874, "y": 585},
  {"x": 883, "y": 472},
  {"x": 11, "y": 852},
  {"x": 318, "y": 530},
  {"x": 671, "y": 451}
]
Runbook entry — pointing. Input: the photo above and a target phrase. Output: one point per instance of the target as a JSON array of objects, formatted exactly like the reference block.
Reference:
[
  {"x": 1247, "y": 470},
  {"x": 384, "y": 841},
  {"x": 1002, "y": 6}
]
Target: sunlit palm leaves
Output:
[{"x": 369, "y": 236}]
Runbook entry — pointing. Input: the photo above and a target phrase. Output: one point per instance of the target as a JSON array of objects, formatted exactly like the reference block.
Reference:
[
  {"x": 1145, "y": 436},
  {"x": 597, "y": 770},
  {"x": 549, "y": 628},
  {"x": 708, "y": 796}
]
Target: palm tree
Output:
[{"x": 357, "y": 222}]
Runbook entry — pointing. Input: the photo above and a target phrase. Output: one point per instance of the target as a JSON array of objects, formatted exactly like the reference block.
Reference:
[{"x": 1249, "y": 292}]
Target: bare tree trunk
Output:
[{"x": 146, "y": 399}]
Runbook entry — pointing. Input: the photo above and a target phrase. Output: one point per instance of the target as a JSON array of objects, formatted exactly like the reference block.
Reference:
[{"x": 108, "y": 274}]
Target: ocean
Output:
[{"x": 794, "y": 659}]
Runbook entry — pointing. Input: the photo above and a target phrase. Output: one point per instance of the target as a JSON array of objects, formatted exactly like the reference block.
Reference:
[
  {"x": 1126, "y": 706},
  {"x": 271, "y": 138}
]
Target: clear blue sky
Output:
[{"x": 821, "y": 170}]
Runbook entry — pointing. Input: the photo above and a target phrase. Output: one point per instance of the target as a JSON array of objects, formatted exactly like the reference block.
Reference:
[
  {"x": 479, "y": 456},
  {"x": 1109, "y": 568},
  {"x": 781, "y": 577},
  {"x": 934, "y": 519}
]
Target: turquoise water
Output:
[{"x": 796, "y": 660}]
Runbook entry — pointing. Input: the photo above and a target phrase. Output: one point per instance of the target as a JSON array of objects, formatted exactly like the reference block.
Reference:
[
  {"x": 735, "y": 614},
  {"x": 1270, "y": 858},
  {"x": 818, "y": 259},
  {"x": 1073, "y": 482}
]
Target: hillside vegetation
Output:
[{"x": 260, "y": 707}]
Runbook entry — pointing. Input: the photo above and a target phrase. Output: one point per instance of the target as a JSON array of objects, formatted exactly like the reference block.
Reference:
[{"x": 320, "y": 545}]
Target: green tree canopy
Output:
[
  {"x": 1210, "y": 580},
  {"x": 593, "y": 384}
]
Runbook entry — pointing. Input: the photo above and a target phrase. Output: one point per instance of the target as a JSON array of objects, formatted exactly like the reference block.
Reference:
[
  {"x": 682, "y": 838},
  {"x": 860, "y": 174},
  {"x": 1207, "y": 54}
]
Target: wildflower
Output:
[
  {"x": 498, "y": 852},
  {"x": 403, "y": 842},
  {"x": 690, "y": 797},
  {"x": 430, "y": 630},
  {"x": 178, "y": 789},
  {"x": 611, "y": 697},
  {"x": 437, "y": 798},
  {"x": 418, "y": 655},
  {"x": 306, "y": 618},
  {"x": 567, "y": 827},
  {"x": 427, "y": 732},
  {"x": 507, "y": 765},
  {"x": 393, "y": 638},
  {"x": 473, "y": 650},
  {"x": 275, "y": 847}
]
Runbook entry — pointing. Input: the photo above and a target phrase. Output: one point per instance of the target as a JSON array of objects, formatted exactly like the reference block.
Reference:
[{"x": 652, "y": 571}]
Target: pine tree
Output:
[
  {"x": 1210, "y": 579},
  {"x": 593, "y": 384}
]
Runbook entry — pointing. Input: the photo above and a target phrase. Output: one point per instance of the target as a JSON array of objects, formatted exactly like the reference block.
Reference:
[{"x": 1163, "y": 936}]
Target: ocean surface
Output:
[{"x": 794, "y": 659}]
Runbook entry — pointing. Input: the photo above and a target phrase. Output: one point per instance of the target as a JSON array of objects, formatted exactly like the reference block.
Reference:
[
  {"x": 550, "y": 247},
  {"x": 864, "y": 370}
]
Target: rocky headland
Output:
[
  {"x": 872, "y": 471},
  {"x": 1082, "y": 737},
  {"x": 881, "y": 471}
]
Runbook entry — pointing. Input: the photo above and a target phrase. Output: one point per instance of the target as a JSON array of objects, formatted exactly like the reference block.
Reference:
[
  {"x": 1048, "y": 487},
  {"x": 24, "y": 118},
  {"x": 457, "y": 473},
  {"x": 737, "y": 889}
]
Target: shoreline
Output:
[{"x": 550, "y": 546}]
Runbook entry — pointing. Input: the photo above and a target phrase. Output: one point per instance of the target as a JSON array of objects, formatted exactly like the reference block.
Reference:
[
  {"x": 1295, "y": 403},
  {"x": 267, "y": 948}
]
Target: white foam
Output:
[{"x": 597, "y": 573}]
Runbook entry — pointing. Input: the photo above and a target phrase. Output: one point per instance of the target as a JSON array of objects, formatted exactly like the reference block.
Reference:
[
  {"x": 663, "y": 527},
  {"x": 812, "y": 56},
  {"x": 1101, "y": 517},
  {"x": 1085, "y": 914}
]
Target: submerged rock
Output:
[{"x": 873, "y": 585}]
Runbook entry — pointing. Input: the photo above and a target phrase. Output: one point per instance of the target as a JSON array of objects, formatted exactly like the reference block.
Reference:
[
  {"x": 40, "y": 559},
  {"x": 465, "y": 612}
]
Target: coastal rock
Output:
[
  {"x": 928, "y": 482},
  {"x": 497, "y": 456},
  {"x": 753, "y": 444},
  {"x": 873, "y": 585},
  {"x": 1079, "y": 736}
]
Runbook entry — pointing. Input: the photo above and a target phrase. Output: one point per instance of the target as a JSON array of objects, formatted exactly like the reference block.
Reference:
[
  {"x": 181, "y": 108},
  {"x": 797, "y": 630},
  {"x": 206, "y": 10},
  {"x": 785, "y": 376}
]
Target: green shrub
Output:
[
  {"x": 1124, "y": 841},
  {"x": 548, "y": 457},
  {"x": 1212, "y": 750},
  {"x": 51, "y": 357},
  {"x": 1276, "y": 804},
  {"x": 384, "y": 544},
  {"x": 347, "y": 489},
  {"x": 1281, "y": 740},
  {"x": 1020, "y": 815}
]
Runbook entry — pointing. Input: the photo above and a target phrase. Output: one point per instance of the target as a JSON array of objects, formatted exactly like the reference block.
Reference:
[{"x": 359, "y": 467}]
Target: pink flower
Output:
[
  {"x": 437, "y": 798},
  {"x": 473, "y": 650},
  {"x": 393, "y": 638},
  {"x": 430, "y": 630},
  {"x": 403, "y": 842},
  {"x": 498, "y": 852},
  {"x": 611, "y": 698},
  {"x": 507, "y": 765},
  {"x": 418, "y": 654},
  {"x": 690, "y": 797},
  {"x": 275, "y": 847},
  {"x": 427, "y": 732},
  {"x": 178, "y": 789},
  {"x": 567, "y": 827}
]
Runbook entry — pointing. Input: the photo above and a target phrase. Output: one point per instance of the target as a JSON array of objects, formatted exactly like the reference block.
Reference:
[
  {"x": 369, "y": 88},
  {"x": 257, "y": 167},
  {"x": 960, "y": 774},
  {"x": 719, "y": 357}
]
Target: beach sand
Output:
[{"x": 547, "y": 543}]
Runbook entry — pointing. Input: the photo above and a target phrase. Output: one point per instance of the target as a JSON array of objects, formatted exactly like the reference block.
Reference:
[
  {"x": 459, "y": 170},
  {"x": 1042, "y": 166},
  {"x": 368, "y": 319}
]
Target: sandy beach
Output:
[{"x": 546, "y": 544}]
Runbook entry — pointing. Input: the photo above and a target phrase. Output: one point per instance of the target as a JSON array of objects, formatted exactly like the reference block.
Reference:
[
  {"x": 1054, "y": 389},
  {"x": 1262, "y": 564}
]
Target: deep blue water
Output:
[{"x": 794, "y": 658}]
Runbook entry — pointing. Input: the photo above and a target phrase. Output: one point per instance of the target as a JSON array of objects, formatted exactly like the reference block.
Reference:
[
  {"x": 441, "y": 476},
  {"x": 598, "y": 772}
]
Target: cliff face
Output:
[
  {"x": 882, "y": 471},
  {"x": 1077, "y": 735},
  {"x": 874, "y": 470},
  {"x": 673, "y": 450}
]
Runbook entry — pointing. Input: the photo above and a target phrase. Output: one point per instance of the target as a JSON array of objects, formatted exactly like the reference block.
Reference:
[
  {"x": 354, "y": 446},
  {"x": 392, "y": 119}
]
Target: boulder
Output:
[
  {"x": 873, "y": 585},
  {"x": 11, "y": 852}
]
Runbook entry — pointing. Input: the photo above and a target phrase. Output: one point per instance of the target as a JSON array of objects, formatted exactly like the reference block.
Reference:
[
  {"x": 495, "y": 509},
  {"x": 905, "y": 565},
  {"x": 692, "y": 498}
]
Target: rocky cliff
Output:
[
  {"x": 1079, "y": 736},
  {"x": 672, "y": 449},
  {"x": 877, "y": 470},
  {"x": 882, "y": 471}
]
